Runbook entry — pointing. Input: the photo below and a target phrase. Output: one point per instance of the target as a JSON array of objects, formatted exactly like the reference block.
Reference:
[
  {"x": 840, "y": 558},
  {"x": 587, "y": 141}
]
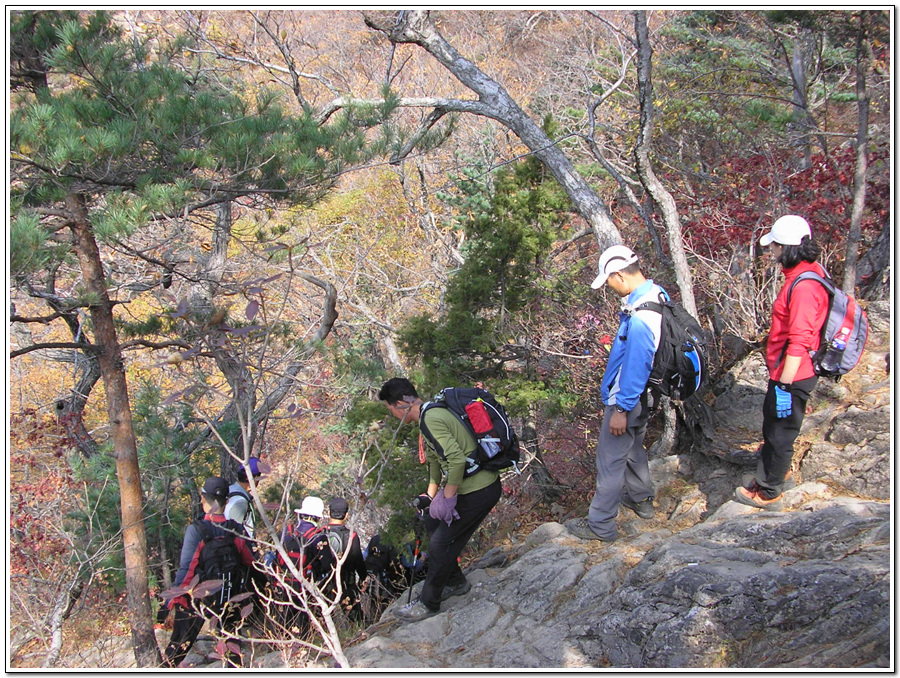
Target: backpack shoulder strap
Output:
[
  {"x": 811, "y": 275},
  {"x": 654, "y": 306},
  {"x": 233, "y": 526},
  {"x": 204, "y": 528},
  {"x": 243, "y": 495},
  {"x": 423, "y": 427},
  {"x": 310, "y": 535}
]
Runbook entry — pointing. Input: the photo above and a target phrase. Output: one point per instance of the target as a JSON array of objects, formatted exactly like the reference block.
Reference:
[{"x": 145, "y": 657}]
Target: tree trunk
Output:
[
  {"x": 875, "y": 267},
  {"x": 547, "y": 486},
  {"x": 494, "y": 102},
  {"x": 862, "y": 159},
  {"x": 62, "y": 608},
  {"x": 663, "y": 446},
  {"x": 652, "y": 184},
  {"x": 112, "y": 370},
  {"x": 798, "y": 99}
]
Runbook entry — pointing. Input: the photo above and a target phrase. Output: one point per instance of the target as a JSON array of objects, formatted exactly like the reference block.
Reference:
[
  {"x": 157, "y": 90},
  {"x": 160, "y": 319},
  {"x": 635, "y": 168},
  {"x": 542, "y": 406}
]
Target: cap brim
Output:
[
  {"x": 599, "y": 281},
  {"x": 767, "y": 239}
]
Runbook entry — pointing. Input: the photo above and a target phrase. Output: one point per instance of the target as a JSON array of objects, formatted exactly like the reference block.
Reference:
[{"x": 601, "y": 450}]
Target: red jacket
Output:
[{"x": 800, "y": 326}]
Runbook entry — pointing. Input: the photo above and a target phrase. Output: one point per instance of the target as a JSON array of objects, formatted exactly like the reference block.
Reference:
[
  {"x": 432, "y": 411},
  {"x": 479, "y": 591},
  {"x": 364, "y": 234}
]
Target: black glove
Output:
[{"x": 421, "y": 503}]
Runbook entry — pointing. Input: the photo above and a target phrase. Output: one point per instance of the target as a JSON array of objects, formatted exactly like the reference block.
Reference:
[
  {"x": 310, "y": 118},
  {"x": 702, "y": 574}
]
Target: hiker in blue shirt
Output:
[{"x": 623, "y": 474}]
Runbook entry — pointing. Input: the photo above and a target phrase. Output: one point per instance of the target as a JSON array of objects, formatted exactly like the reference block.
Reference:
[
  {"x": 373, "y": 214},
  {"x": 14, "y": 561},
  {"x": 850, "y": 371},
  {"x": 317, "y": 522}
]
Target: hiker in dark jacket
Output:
[
  {"x": 353, "y": 568},
  {"x": 794, "y": 334},
  {"x": 188, "y": 620},
  {"x": 384, "y": 564},
  {"x": 455, "y": 510}
]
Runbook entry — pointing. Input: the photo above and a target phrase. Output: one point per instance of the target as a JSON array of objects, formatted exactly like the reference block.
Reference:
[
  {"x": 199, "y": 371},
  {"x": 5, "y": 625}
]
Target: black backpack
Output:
[
  {"x": 318, "y": 558},
  {"x": 497, "y": 444},
  {"x": 220, "y": 561},
  {"x": 679, "y": 365}
]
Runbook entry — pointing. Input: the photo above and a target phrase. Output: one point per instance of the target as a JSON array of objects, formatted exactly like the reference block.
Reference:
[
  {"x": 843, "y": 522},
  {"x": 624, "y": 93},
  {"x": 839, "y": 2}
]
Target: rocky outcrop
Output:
[{"x": 809, "y": 587}]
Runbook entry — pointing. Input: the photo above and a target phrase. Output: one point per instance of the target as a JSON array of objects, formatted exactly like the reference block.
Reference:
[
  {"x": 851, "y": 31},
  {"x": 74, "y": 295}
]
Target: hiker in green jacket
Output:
[{"x": 455, "y": 510}]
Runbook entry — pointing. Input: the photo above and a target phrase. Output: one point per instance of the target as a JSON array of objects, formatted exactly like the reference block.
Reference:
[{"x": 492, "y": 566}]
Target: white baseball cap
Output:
[
  {"x": 787, "y": 230},
  {"x": 311, "y": 506},
  {"x": 614, "y": 259}
]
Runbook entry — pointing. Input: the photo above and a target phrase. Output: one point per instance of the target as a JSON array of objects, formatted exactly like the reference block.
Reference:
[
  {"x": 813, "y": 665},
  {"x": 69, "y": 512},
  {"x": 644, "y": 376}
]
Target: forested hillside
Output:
[{"x": 228, "y": 228}]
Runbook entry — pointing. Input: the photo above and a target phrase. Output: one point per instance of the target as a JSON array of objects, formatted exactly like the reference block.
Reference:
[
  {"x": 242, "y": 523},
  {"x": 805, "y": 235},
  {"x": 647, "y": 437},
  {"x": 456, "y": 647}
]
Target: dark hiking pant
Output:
[
  {"x": 777, "y": 451},
  {"x": 187, "y": 626},
  {"x": 622, "y": 466},
  {"x": 446, "y": 542}
]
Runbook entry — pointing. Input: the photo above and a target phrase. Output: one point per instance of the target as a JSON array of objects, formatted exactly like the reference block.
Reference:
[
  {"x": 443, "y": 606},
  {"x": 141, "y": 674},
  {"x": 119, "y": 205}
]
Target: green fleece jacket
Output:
[{"x": 457, "y": 443}]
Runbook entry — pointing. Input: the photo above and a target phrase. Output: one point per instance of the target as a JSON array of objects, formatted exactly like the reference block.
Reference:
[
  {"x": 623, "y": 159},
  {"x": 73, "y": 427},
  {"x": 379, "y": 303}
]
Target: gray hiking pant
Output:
[{"x": 621, "y": 466}]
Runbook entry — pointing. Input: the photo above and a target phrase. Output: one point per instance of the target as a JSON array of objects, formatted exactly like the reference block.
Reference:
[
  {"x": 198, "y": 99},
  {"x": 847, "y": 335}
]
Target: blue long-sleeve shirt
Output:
[{"x": 632, "y": 352}]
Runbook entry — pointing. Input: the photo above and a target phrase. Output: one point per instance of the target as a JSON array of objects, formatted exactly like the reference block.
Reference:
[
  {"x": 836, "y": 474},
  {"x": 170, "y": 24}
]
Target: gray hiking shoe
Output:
[
  {"x": 644, "y": 508},
  {"x": 458, "y": 590},
  {"x": 757, "y": 499},
  {"x": 414, "y": 611},
  {"x": 580, "y": 528}
]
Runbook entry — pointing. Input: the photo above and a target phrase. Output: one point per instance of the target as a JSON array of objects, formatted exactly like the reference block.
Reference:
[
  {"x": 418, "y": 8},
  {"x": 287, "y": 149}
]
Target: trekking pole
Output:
[
  {"x": 420, "y": 521},
  {"x": 412, "y": 571}
]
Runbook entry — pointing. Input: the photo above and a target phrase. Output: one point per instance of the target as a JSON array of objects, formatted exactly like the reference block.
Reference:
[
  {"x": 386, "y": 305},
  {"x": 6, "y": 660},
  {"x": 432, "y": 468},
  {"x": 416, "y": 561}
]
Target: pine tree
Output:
[{"x": 108, "y": 138}]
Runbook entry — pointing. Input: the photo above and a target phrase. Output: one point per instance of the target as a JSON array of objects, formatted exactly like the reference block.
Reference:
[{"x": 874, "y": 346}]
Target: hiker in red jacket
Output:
[
  {"x": 793, "y": 336},
  {"x": 188, "y": 619}
]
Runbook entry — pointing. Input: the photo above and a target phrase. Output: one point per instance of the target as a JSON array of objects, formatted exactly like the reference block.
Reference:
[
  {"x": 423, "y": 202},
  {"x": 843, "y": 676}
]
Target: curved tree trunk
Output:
[
  {"x": 494, "y": 102},
  {"x": 112, "y": 370},
  {"x": 651, "y": 183}
]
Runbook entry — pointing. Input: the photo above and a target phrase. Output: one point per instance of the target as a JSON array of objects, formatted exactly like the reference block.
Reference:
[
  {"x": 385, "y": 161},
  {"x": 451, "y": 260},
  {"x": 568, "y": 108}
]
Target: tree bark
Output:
[
  {"x": 415, "y": 27},
  {"x": 652, "y": 184},
  {"x": 798, "y": 98},
  {"x": 875, "y": 267},
  {"x": 112, "y": 370},
  {"x": 862, "y": 159},
  {"x": 62, "y": 608},
  {"x": 547, "y": 486}
]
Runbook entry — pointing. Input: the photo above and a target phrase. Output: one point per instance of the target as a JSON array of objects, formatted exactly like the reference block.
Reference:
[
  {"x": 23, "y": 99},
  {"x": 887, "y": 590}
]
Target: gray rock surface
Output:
[{"x": 809, "y": 587}]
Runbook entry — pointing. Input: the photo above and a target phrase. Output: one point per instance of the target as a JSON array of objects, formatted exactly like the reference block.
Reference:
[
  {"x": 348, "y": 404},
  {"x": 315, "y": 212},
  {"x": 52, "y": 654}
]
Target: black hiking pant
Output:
[
  {"x": 446, "y": 542},
  {"x": 777, "y": 451},
  {"x": 187, "y": 626}
]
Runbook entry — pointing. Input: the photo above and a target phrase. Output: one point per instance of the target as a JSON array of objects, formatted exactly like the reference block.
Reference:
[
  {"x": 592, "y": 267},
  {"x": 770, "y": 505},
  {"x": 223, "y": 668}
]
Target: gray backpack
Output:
[{"x": 844, "y": 333}]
